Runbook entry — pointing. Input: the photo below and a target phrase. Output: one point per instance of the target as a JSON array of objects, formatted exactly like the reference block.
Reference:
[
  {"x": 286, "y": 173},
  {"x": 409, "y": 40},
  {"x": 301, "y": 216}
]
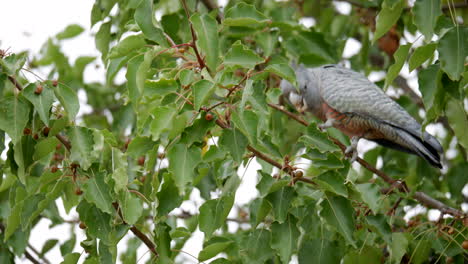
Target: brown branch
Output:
[
  {"x": 38, "y": 254},
  {"x": 137, "y": 232},
  {"x": 419, "y": 196},
  {"x": 15, "y": 83},
  {"x": 210, "y": 5},
  {"x": 30, "y": 257},
  {"x": 201, "y": 62}
]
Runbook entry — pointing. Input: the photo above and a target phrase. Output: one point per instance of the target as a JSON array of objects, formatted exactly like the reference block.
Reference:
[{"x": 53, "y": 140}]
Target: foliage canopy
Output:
[{"x": 190, "y": 114}]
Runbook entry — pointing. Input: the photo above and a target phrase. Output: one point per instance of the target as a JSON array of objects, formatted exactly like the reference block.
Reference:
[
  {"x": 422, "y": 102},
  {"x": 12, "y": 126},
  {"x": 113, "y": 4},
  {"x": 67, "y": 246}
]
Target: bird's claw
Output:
[
  {"x": 329, "y": 123},
  {"x": 352, "y": 149}
]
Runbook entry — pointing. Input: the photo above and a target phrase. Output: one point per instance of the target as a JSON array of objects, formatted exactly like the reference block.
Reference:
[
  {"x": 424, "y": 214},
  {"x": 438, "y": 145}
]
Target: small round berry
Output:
[
  {"x": 82, "y": 225},
  {"x": 39, "y": 89},
  {"x": 54, "y": 169},
  {"x": 36, "y": 136},
  {"x": 78, "y": 191},
  {"x": 208, "y": 117},
  {"x": 54, "y": 83},
  {"x": 27, "y": 131},
  {"x": 141, "y": 160},
  {"x": 46, "y": 131},
  {"x": 465, "y": 245}
]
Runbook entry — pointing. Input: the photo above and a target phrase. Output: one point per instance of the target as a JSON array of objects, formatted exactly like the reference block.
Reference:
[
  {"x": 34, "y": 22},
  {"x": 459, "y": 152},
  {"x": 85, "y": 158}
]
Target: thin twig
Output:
[
  {"x": 38, "y": 254},
  {"x": 201, "y": 62},
  {"x": 15, "y": 83},
  {"x": 419, "y": 196}
]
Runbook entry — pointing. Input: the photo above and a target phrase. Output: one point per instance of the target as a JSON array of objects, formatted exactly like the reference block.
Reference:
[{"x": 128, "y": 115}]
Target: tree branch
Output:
[
  {"x": 15, "y": 83},
  {"x": 137, "y": 232},
  {"x": 201, "y": 62},
  {"x": 419, "y": 196}
]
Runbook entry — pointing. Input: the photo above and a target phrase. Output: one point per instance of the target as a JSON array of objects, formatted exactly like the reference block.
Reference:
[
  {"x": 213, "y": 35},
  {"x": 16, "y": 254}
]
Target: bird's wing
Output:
[{"x": 350, "y": 92}]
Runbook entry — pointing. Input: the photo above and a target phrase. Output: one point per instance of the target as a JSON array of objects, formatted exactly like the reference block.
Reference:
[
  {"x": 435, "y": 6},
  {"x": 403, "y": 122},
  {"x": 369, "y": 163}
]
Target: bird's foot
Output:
[
  {"x": 352, "y": 149},
  {"x": 329, "y": 123}
]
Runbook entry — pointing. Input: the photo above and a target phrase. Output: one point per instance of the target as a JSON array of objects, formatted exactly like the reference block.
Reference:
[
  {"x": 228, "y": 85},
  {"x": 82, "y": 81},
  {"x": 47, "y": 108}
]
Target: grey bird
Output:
[{"x": 347, "y": 100}]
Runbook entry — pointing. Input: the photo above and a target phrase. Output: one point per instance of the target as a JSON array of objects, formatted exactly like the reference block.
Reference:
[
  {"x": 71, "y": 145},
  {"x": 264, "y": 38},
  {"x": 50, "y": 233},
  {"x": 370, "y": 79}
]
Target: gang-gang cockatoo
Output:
[{"x": 348, "y": 101}]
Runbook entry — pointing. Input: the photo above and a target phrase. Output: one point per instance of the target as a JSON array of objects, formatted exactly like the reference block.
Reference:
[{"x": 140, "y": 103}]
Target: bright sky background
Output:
[{"x": 27, "y": 24}]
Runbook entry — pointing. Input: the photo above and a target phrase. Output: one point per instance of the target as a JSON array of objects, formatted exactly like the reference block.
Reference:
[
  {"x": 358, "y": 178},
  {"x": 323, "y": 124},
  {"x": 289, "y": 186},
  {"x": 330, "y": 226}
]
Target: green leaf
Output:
[
  {"x": 427, "y": 79},
  {"x": 103, "y": 38},
  {"x": 458, "y": 120},
  {"x": 207, "y": 33},
  {"x": 318, "y": 140},
  {"x": 14, "y": 115},
  {"x": 234, "y": 142},
  {"x": 268, "y": 184},
  {"x": 82, "y": 142},
  {"x": 212, "y": 250},
  {"x": 332, "y": 181},
  {"x": 131, "y": 206},
  {"x": 456, "y": 179},
  {"x": 244, "y": 15},
  {"x": 126, "y": 46},
  {"x": 182, "y": 162},
  {"x": 379, "y": 223},
  {"x": 160, "y": 87},
  {"x": 247, "y": 122},
  {"x": 421, "y": 54},
  {"x": 319, "y": 251},
  {"x": 42, "y": 102},
  {"x": 45, "y": 147},
  {"x": 167, "y": 201},
  {"x": 338, "y": 212},
  {"x": 284, "y": 238},
  {"x": 370, "y": 194},
  {"x": 242, "y": 56},
  {"x": 162, "y": 122},
  {"x": 422, "y": 251},
  {"x": 366, "y": 255},
  {"x": 144, "y": 17},
  {"x": 70, "y": 31},
  {"x": 202, "y": 91},
  {"x": 256, "y": 245},
  {"x": 255, "y": 95},
  {"x": 426, "y": 13},
  {"x": 48, "y": 245},
  {"x": 68, "y": 99},
  {"x": 267, "y": 40},
  {"x": 119, "y": 169},
  {"x": 259, "y": 209},
  {"x": 281, "y": 202},
  {"x": 139, "y": 146},
  {"x": 96, "y": 221},
  {"x": 398, "y": 247},
  {"x": 97, "y": 192},
  {"x": 400, "y": 56},
  {"x": 71, "y": 258},
  {"x": 284, "y": 71},
  {"x": 453, "y": 51},
  {"x": 387, "y": 17},
  {"x": 213, "y": 214}
]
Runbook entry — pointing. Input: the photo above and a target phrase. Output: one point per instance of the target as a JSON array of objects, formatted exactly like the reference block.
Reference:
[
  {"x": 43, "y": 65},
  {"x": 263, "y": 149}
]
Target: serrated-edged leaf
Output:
[
  {"x": 268, "y": 184},
  {"x": 131, "y": 206},
  {"x": 97, "y": 222},
  {"x": 68, "y": 99},
  {"x": 247, "y": 122},
  {"x": 267, "y": 40},
  {"x": 45, "y": 147},
  {"x": 212, "y": 250},
  {"x": 379, "y": 223},
  {"x": 426, "y": 13},
  {"x": 160, "y": 87},
  {"x": 421, "y": 54},
  {"x": 281, "y": 202},
  {"x": 370, "y": 194},
  {"x": 284, "y": 71},
  {"x": 453, "y": 49},
  {"x": 22, "y": 156},
  {"x": 14, "y": 115},
  {"x": 338, "y": 212},
  {"x": 202, "y": 91},
  {"x": 256, "y": 244},
  {"x": 387, "y": 17},
  {"x": 259, "y": 209},
  {"x": 213, "y": 214},
  {"x": 398, "y": 247},
  {"x": 400, "y": 56},
  {"x": 234, "y": 142},
  {"x": 244, "y": 15},
  {"x": 365, "y": 255},
  {"x": 318, "y": 140},
  {"x": 97, "y": 192},
  {"x": 42, "y": 102},
  {"x": 284, "y": 238},
  {"x": 70, "y": 31},
  {"x": 333, "y": 182},
  {"x": 81, "y": 139},
  {"x": 458, "y": 120},
  {"x": 186, "y": 77},
  {"x": 182, "y": 162},
  {"x": 126, "y": 46},
  {"x": 207, "y": 33},
  {"x": 242, "y": 56},
  {"x": 144, "y": 16},
  {"x": 140, "y": 146},
  {"x": 319, "y": 250},
  {"x": 163, "y": 118}
]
